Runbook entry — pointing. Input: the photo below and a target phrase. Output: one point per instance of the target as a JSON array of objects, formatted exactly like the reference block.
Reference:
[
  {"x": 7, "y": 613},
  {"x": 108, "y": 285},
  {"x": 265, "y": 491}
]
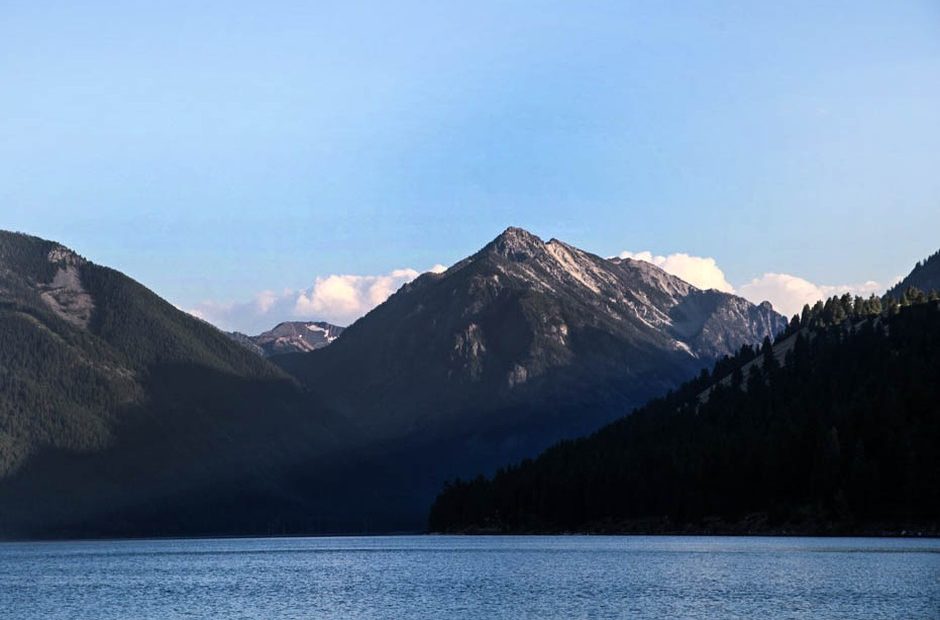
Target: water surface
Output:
[{"x": 473, "y": 577}]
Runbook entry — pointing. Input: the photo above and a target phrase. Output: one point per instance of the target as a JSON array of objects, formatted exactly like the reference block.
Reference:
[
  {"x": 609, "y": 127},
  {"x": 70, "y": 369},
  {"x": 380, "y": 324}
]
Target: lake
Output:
[{"x": 473, "y": 577}]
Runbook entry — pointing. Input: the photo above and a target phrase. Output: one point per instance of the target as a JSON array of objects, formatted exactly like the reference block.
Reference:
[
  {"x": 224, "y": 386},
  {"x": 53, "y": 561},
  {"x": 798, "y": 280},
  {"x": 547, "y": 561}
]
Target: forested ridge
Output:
[
  {"x": 834, "y": 429},
  {"x": 122, "y": 415},
  {"x": 924, "y": 276},
  {"x": 64, "y": 384}
]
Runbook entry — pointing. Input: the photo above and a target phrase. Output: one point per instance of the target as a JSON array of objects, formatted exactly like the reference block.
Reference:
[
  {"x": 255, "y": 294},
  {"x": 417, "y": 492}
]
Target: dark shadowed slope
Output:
[
  {"x": 116, "y": 408},
  {"x": 832, "y": 430}
]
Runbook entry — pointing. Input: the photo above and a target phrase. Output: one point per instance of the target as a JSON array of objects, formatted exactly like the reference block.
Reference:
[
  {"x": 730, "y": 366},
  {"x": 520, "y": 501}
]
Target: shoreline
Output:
[{"x": 489, "y": 533}]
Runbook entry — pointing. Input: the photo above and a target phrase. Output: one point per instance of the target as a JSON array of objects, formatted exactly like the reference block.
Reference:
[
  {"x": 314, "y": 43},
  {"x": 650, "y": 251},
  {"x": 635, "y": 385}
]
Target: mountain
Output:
[
  {"x": 123, "y": 416},
  {"x": 290, "y": 337},
  {"x": 120, "y": 415},
  {"x": 833, "y": 429},
  {"x": 925, "y": 276},
  {"x": 509, "y": 350}
]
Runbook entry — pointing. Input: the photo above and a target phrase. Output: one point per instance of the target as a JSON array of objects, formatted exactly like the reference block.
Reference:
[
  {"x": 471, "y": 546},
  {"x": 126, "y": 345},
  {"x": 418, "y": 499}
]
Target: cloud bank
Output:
[
  {"x": 337, "y": 298},
  {"x": 787, "y": 293},
  {"x": 696, "y": 270}
]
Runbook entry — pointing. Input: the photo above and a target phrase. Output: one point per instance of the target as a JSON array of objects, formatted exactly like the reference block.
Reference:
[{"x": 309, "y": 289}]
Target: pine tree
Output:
[{"x": 806, "y": 316}]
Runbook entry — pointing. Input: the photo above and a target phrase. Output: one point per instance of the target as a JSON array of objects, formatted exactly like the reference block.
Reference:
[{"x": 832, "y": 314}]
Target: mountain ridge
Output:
[
  {"x": 290, "y": 337},
  {"x": 520, "y": 344},
  {"x": 113, "y": 412},
  {"x": 122, "y": 415},
  {"x": 925, "y": 276}
]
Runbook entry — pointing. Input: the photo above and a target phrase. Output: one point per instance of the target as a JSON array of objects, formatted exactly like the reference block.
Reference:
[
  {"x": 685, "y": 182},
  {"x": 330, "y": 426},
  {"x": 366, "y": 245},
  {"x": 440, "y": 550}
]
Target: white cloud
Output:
[
  {"x": 265, "y": 301},
  {"x": 338, "y": 298},
  {"x": 788, "y": 293},
  {"x": 349, "y": 296},
  {"x": 696, "y": 270}
]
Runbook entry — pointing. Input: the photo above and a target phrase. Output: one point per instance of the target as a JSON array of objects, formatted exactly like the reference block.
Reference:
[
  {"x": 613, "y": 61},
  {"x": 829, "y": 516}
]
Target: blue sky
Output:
[{"x": 217, "y": 151}]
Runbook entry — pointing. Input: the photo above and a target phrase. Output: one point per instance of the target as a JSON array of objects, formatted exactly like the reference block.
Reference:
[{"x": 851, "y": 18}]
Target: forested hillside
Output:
[
  {"x": 120, "y": 414},
  {"x": 925, "y": 276},
  {"x": 834, "y": 429}
]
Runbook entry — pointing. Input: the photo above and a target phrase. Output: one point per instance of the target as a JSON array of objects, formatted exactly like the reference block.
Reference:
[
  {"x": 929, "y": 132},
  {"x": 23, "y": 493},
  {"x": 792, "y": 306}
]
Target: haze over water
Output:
[{"x": 473, "y": 577}]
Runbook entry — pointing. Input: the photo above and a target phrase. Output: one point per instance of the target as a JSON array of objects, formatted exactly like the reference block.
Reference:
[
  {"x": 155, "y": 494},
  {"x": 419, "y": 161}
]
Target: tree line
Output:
[{"x": 839, "y": 435}]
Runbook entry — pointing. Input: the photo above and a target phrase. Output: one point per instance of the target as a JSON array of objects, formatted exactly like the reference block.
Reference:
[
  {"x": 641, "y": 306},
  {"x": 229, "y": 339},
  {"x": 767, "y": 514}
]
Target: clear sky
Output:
[{"x": 215, "y": 151}]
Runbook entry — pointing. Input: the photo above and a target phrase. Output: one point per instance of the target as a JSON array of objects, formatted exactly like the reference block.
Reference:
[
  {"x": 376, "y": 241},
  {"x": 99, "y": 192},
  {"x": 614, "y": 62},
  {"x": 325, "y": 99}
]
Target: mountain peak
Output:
[
  {"x": 516, "y": 244},
  {"x": 517, "y": 232},
  {"x": 290, "y": 337}
]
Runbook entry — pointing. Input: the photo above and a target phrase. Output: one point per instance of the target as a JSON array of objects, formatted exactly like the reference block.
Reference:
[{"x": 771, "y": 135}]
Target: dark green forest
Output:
[
  {"x": 834, "y": 429},
  {"x": 924, "y": 276},
  {"x": 63, "y": 385},
  {"x": 142, "y": 419}
]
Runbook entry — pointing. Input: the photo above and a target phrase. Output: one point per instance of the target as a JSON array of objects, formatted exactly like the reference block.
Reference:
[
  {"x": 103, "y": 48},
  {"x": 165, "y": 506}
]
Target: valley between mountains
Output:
[{"x": 120, "y": 415}]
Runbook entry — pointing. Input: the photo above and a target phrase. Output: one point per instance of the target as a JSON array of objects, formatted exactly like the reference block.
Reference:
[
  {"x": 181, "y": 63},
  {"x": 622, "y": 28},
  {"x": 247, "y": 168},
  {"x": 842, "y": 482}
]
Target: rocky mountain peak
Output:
[
  {"x": 523, "y": 303},
  {"x": 291, "y": 337},
  {"x": 516, "y": 244}
]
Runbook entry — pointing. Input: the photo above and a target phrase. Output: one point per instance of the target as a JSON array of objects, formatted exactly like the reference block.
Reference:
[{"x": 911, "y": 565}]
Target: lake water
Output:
[{"x": 473, "y": 577}]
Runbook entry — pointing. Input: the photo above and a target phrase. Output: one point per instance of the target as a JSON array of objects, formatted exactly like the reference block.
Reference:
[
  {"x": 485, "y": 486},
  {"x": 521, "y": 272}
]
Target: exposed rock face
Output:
[
  {"x": 633, "y": 299},
  {"x": 291, "y": 337},
  {"x": 65, "y": 295}
]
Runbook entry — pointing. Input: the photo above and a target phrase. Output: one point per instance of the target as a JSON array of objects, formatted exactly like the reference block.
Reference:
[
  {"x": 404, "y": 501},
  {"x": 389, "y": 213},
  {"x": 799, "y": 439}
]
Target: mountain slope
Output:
[
  {"x": 836, "y": 431},
  {"x": 291, "y": 337},
  {"x": 517, "y": 346},
  {"x": 120, "y": 415},
  {"x": 521, "y": 317},
  {"x": 925, "y": 276},
  {"x": 112, "y": 400}
]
